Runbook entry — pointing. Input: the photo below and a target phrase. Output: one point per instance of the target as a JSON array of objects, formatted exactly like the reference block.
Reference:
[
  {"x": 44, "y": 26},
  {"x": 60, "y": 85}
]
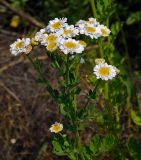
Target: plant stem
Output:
[
  {"x": 38, "y": 71},
  {"x": 32, "y": 62},
  {"x": 93, "y": 8},
  {"x": 67, "y": 70},
  {"x": 95, "y": 15},
  {"x": 94, "y": 90}
]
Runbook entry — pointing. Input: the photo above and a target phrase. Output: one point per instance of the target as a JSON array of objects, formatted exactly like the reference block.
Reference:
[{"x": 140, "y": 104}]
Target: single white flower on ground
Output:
[
  {"x": 104, "y": 71},
  {"x": 104, "y": 30},
  {"x": 70, "y": 46},
  {"x": 56, "y": 127},
  {"x": 56, "y": 24},
  {"x": 20, "y": 46}
]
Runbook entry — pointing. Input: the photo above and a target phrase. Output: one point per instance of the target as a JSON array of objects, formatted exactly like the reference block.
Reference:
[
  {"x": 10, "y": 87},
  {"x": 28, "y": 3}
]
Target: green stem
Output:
[
  {"x": 94, "y": 90},
  {"x": 38, "y": 71},
  {"x": 93, "y": 8},
  {"x": 34, "y": 65},
  {"x": 100, "y": 48},
  {"x": 67, "y": 71},
  {"x": 92, "y": 2},
  {"x": 106, "y": 91}
]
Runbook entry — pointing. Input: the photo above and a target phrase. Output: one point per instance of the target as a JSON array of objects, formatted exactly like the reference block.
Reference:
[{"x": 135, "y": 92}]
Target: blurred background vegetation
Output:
[{"x": 26, "y": 111}]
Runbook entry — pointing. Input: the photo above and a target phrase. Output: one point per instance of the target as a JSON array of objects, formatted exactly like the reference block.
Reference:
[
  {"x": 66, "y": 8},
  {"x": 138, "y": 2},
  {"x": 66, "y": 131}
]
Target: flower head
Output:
[
  {"x": 39, "y": 35},
  {"x": 90, "y": 30},
  {"x": 49, "y": 38},
  {"x": 69, "y": 31},
  {"x": 52, "y": 46},
  {"x": 56, "y": 24},
  {"x": 70, "y": 46},
  {"x": 21, "y": 46},
  {"x": 104, "y": 30},
  {"x": 104, "y": 71},
  {"x": 56, "y": 127},
  {"x": 93, "y": 21}
]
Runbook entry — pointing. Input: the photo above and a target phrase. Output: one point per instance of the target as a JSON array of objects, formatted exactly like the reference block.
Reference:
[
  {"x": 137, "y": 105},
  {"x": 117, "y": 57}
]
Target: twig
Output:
[
  {"x": 9, "y": 65},
  {"x": 22, "y": 14},
  {"x": 21, "y": 59},
  {"x": 10, "y": 92}
]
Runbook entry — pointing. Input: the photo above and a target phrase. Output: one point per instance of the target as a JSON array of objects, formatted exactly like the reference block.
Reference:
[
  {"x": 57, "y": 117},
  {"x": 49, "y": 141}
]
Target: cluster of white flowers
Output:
[
  {"x": 92, "y": 28},
  {"x": 104, "y": 71},
  {"x": 60, "y": 35}
]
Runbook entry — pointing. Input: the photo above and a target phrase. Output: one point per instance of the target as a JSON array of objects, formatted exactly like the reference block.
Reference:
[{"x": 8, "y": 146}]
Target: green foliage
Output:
[
  {"x": 113, "y": 101},
  {"x": 134, "y": 18},
  {"x": 134, "y": 147},
  {"x": 136, "y": 119}
]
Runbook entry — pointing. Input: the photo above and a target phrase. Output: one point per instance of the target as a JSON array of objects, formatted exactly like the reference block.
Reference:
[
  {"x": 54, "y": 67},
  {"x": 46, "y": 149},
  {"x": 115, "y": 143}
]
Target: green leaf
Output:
[
  {"x": 136, "y": 119},
  {"x": 133, "y": 18},
  {"x": 75, "y": 61},
  {"x": 57, "y": 149},
  {"x": 91, "y": 94},
  {"x": 38, "y": 65},
  {"x": 108, "y": 143},
  {"x": 134, "y": 148},
  {"x": 42, "y": 149},
  {"x": 95, "y": 145}
]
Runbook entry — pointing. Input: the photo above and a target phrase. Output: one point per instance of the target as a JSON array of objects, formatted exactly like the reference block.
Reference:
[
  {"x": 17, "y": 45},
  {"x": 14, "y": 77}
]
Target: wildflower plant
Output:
[{"x": 66, "y": 52}]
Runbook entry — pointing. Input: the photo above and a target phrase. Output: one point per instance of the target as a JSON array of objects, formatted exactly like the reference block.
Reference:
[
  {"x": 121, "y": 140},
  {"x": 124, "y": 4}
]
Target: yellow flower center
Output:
[
  {"x": 104, "y": 71},
  {"x": 51, "y": 38},
  {"x": 20, "y": 44},
  {"x": 56, "y": 128},
  {"x": 90, "y": 29},
  {"x": 52, "y": 46},
  {"x": 104, "y": 32},
  {"x": 67, "y": 31},
  {"x": 70, "y": 45},
  {"x": 83, "y": 43},
  {"x": 56, "y": 25}
]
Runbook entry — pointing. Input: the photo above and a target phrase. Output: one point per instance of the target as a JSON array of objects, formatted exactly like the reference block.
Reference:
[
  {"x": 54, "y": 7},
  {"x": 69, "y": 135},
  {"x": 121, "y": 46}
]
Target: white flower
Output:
[
  {"x": 104, "y": 71},
  {"x": 93, "y": 21},
  {"x": 39, "y": 35},
  {"x": 104, "y": 30},
  {"x": 80, "y": 23},
  {"x": 20, "y": 46},
  {"x": 90, "y": 30},
  {"x": 70, "y": 46},
  {"x": 49, "y": 38},
  {"x": 68, "y": 31},
  {"x": 52, "y": 46},
  {"x": 56, "y": 127},
  {"x": 56, "y": 24}
]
